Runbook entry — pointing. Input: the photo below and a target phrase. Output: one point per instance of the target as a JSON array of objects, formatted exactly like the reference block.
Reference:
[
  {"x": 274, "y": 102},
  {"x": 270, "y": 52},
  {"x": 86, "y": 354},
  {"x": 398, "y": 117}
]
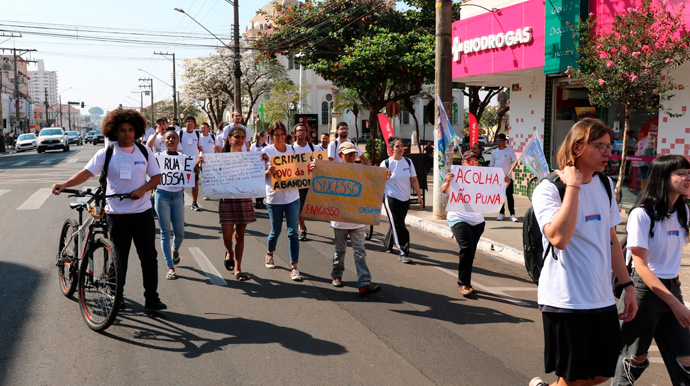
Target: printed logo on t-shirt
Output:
[
  {"x": 593, "y": 217},
  {"x": 673, "y": 233},
  {"x": 139, "y": 163}
]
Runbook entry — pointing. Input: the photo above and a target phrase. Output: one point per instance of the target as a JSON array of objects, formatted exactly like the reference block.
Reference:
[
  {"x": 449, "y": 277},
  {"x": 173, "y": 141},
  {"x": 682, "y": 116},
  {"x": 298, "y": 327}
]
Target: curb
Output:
[{"x": 486, "y": 245}]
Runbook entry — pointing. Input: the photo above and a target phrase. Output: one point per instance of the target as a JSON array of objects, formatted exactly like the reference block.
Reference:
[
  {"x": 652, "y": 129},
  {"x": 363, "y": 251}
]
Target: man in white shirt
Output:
[
  {"x": 503, "y": 158},
  {"x": 208, "y": 140},
  {"x": 341, "y": 137},
  {"x": 302, "y": 146},
  {"x": 237, "y": 121},
  {"x": 325, "y": 139},
  {"x": 176, "y": 124},
  {"x": 148, "y": 132},
  {"x": 189, "y": 140}
]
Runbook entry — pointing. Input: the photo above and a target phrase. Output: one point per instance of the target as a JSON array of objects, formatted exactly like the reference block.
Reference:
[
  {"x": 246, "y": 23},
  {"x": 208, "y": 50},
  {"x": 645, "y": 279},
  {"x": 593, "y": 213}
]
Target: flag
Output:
[
  {"x": 533, "y": 157},
  {"x": 386, "y": 130},
  {"x": 474, "y": 129},
  {"x": 445, "y": 138}
]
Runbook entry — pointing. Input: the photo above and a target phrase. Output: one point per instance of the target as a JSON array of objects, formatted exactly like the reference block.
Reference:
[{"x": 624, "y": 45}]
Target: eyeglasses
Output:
[
  {"x": 682, "y": 173},
  {"x": 603, "y": 147}
]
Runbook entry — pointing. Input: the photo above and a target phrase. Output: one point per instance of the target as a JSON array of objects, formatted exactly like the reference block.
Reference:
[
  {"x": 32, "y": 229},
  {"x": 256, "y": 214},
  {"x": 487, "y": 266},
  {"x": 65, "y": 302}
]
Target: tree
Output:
[
  {"x": 478, "y": 103},
  {"x": 365, "y": 45},
  {"x": 284, "y": 98},
  {"x": 259, "y": 75},
  {"x": 349, "y": 100},
  {"x": 206, "y": 86},
  {"x": 630, "y": 63},
  {"x": 166, "y": 109}
]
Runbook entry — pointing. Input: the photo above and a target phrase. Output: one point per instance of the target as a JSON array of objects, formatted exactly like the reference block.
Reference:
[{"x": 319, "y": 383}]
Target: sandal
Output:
[
  {"x": 269, "y": 260},
  {"x": 229, "y": 263},
  {"x": 176, "y": 257},
  {"x": 171, "y": 275},
  {"x": 241, "y": 276}
]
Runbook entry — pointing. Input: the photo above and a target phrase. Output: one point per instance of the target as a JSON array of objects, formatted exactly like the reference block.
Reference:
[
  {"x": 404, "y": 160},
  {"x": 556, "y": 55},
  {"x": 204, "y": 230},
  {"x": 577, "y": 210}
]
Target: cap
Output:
[
  {"x": 469, "y": 154},
  {"x": 347, "y": 148},
  {"x": 161, "y": 119}
]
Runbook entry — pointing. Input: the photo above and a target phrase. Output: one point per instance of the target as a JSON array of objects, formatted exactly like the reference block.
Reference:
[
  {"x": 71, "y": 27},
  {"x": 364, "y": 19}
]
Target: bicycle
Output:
[{"x": 89, "y": 260}]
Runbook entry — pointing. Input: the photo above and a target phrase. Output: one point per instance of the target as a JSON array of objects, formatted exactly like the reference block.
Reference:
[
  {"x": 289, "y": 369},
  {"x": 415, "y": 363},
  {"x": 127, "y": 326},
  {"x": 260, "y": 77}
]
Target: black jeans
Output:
[
  {"x": 467, "y": 236},
  {"x": 140, "y": 228},
  {"x": 509, "y": 198},
  {"x": 397, "y": 234}
]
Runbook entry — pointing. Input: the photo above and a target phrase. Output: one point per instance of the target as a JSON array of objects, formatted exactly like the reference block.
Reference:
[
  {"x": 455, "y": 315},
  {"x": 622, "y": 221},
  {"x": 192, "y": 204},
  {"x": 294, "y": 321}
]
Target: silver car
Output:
[
  {"x": 26, "y": 142},
  {"x": 51, "y": 138}
]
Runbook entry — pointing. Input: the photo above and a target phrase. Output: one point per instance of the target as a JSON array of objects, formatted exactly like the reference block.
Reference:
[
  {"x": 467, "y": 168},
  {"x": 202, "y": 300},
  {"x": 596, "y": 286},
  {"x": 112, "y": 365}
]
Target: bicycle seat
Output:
[{"x": 79, "y": 205}]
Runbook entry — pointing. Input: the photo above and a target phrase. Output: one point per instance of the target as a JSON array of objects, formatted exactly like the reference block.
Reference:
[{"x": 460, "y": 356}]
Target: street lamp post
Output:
[{"x": 150, "y": 86}]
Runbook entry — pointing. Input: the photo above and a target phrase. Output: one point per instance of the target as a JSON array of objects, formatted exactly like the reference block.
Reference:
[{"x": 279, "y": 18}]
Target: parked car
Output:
[
  {"x": 51, "y": 138},
  {"x": 75, "y": 138},
  {"x": 26, "y": 142},
  {"x": 95, "y": 137}
]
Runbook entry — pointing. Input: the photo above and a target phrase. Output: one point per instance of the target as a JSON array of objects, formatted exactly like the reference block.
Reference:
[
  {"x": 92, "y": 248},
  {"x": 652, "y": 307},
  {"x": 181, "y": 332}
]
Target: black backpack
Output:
[
  {"x": 103, "y": 179},
  {"x": 532, "y": 247},
  {"x": 388, "y": 162}
]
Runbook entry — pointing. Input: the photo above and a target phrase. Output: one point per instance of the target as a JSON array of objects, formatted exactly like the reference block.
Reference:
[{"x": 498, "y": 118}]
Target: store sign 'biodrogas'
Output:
[{"x": 491, "y": 42}]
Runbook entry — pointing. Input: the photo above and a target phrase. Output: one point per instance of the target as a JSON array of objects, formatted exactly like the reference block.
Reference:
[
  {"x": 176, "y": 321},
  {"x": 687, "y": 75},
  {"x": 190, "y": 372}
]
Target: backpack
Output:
[
  {"x": 103, "y": 178},
  {"x": 532, "y": 247},
  {"x": 197, "y": 135},
  {"x": 311, "y": 146}
]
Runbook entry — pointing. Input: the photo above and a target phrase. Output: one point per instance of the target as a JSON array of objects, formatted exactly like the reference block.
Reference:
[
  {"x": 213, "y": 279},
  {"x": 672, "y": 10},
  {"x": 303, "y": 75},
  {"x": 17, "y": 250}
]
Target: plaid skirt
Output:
[{"x": 236, "y": 211}]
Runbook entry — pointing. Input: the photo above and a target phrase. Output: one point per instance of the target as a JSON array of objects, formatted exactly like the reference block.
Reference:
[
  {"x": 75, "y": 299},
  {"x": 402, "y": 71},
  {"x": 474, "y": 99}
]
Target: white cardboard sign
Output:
[
  {"x": 234, "y": 175},
  {"x": 476, "y": 189},
  {"x": 176, "y": 170}
]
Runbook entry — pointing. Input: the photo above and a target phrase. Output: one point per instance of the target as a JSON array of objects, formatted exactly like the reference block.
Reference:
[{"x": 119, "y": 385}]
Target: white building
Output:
[
  {"x": 321, "y": 93},
  {"x": 40, "y": 81}
]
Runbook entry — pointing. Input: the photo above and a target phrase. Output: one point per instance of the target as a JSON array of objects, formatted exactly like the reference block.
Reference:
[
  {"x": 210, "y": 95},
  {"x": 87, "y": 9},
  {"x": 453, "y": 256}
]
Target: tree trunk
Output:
[
  {"x": 374, "y": 109},
  {"x": 416, "y": 129},
  {"x": 624, "y": 155},
  {"x": 356, "y": 126}
]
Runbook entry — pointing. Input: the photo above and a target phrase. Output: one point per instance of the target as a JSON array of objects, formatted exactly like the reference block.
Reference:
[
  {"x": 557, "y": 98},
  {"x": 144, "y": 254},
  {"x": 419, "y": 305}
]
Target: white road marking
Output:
[
  {"x": 36, "y": 200},
  {"x": 20, "y": 163},
  {"x": 493, "y": 290},
  {"x": 208, "y": 268},
  {"x": 3, "y": 191},
  {"x": 46, "y": 162},
  {"x": 72, "y": 161}
]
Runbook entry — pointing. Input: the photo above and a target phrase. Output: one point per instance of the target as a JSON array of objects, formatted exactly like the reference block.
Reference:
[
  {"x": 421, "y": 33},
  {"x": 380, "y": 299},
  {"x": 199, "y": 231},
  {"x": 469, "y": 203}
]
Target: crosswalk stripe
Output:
[
  {"x": 208, "y": 268},
  {"x": 3, "y": 191},
  {"x": 20, "y": 163},
  {"x": 72, "y": 160},
  {"x": 36, "y": 200},
  {"x": 46, "y": 162}
]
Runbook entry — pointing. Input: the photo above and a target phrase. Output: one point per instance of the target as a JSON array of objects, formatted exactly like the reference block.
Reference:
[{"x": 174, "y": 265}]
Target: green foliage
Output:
[
  {"x": 284, "y": 98},
  {"x": 381, "y": 151}
]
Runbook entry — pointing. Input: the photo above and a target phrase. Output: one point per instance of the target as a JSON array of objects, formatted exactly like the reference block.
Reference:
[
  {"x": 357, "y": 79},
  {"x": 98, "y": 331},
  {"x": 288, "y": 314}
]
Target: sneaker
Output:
[
  {"x": 389, "y": 251},
  {"x": 195, "y": 206},
  {"x": 368, "y": 290},
  {"x": 536, "y": 381},
  {"x": 303, "y": 235},
  {"x": 269, "y": 261},
  {"x": 337, "y": 282},
  {"x": 155, "y": 305},
  {"x": 500, "y": 217},
  {"x": 404, "y": 259},
  {"x": 294, "y": 275},
  {"x": 513, "y": 218}
]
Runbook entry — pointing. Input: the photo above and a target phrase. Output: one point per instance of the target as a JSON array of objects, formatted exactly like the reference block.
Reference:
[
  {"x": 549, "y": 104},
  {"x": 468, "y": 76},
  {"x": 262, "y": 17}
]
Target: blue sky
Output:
[{"x": 106, "y": 74}]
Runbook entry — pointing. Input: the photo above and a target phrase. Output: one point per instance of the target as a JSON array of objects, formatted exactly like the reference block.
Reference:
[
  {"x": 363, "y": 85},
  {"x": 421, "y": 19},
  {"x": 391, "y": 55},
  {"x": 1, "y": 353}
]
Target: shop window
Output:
[
  {"x": 324, "y": 113},
  {"x": 405, "y": 117},
  {"x": 291, "y": 63}
]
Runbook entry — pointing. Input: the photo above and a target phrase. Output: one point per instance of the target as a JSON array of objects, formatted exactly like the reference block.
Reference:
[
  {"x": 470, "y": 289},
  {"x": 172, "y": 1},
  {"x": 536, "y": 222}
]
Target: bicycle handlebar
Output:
[{"x": 88, "y": 192}]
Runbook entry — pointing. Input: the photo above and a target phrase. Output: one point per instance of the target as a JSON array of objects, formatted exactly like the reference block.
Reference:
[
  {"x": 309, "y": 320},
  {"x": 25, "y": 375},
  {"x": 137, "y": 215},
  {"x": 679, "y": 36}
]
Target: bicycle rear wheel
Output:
[
  {"x": 100, "y": 285},
  {"x": 68, "y": 258}
]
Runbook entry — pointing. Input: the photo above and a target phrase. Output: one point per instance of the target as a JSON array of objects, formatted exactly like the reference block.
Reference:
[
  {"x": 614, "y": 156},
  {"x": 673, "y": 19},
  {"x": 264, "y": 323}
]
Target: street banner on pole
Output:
[
  {"x": 476, "y": 189},
  {"x": 292, "y": 170},
  {"x": 346, "y": 192},
  {"x": 176, "y": 170},
  {"x": 386, "y": 131},
  {"x": 234, "y": 175},
  {"x": 445, "y": 138},
  {"x": 533, "y": 157}
]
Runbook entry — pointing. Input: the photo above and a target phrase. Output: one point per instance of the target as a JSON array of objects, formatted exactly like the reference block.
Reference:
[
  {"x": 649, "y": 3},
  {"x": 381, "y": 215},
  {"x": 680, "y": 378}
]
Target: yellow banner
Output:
[
  {"x": 292, "y": 170},
  {"x": 346, "y": 193}
]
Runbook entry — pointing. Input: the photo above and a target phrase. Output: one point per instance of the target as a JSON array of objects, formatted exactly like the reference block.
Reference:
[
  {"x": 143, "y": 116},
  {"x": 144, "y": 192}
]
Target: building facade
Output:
[
  {"x": 43, "y": 84},
  {"x": 14, "y": 95}
]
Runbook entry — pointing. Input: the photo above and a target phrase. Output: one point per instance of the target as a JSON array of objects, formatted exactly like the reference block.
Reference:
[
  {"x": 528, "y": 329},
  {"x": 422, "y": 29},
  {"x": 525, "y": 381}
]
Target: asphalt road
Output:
[{"x": 418, "y": 330}]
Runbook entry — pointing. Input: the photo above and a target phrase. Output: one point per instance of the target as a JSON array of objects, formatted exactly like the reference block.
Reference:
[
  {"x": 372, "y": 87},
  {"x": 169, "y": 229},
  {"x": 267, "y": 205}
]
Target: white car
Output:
[
  {"x": 25, "y": 142},
  {"x": 52, "y": 138}
]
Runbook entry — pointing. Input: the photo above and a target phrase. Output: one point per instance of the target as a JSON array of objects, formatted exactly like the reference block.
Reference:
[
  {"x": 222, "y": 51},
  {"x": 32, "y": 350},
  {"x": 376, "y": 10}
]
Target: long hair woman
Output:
[
  {"x": 657, "y": 232},
  {"x": 281, "y": 203}
]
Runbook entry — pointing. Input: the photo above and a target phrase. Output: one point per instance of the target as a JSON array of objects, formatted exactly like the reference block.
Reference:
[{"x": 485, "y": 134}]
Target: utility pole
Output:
[
  {"x": 237, "y": 71},
  {"x": 444, "y": 84},
  {"x": 60, "y": 102},
  {"x": 150, "y": 87},
  {"x": 174, "y": 79},
  {"x": 45, "y": 102}
]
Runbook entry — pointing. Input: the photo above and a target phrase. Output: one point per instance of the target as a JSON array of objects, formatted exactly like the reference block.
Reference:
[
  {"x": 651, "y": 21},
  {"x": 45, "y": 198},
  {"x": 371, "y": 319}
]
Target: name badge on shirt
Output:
[
  {"x": 592, "y": 217},
  {"x": 125, "y": 171},
  {"x": 673, "y": 233}
]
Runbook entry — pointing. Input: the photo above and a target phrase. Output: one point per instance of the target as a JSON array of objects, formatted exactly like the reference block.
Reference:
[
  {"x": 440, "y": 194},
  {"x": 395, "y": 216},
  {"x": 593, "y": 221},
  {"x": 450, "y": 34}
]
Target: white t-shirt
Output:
[
  {"x": 190, "y": 142},
  {"x": 126, "y": 173},
  {"x": 581, "y": 277},
  {"x": 255, "y": 147},
  {"x": 319, "y": 148},
  {"x": 504, "y": 159},
  {"x": 306, "y": 149},
  {"x": 159, "y": 144},
  {"x": 346, "y": 225},
  {"x": 471, "y": 218},
  {"x": 333, "y": 148},
  {"x": 219, "y": 139},
  {"x": 226, "y": 132},
  {"x": 148, "y": 133},
  {"x": 665, "y": 249},
  {"x": 207, "y": 143},
  {"x": 280, "y": 197},
  {"x": 398, "y": 185},
  {"x": 173, "y": 188}
]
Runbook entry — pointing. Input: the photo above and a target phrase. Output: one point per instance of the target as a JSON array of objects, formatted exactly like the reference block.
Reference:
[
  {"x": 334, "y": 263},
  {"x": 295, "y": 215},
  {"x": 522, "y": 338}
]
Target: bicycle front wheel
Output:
[
  {"x": 68, "y": 258},
  {"x": 100, "y": 285}
]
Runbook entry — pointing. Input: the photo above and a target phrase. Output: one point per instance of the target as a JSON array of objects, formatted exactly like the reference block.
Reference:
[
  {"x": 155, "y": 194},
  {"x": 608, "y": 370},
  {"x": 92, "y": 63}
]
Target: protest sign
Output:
[
  {"x": 533, "y": 157},
  {"x": 346, "y": 192},
  {"x": 292, "y": 170},
  {"x": 234, "y": 175},
  {"x": 176, "y": 170},
  {"x": 476, "y": 189}
]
